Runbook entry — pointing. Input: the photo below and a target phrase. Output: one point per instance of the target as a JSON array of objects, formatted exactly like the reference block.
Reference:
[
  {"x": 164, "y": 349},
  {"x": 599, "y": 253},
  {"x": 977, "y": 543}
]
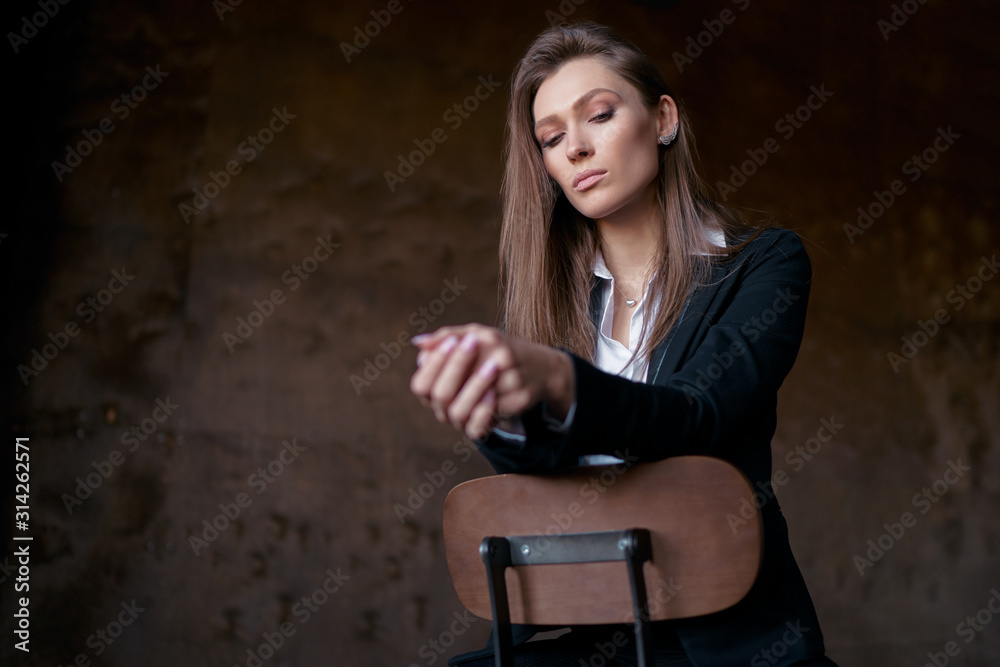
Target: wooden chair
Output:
[{"x": 671, "y": 522}]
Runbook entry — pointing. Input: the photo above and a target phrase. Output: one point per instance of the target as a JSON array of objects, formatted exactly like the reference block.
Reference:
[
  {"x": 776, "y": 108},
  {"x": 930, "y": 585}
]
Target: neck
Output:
[{"x": 630, "y": 244}]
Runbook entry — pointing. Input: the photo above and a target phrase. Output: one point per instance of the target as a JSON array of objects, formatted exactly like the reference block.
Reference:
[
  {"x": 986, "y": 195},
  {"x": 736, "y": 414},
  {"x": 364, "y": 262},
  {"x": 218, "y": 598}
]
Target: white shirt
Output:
[{"x": 610, "y": 356}]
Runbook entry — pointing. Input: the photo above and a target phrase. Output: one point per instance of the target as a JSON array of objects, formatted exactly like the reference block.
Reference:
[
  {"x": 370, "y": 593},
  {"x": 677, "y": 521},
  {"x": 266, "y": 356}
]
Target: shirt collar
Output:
[{"x": 600, "y": 268}]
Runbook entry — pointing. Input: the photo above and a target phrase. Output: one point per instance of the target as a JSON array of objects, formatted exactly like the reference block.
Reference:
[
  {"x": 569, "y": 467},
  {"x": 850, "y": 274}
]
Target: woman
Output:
[{"x": 638, "y": 312}]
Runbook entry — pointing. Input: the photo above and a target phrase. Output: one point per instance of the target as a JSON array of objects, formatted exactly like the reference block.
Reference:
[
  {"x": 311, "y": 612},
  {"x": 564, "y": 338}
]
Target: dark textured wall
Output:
[{"x": 221, "y": 316}]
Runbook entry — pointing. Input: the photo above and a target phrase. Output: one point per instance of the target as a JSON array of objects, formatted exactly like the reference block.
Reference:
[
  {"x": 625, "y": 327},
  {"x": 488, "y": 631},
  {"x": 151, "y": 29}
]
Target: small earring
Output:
[{"x": 667, "y": 139}]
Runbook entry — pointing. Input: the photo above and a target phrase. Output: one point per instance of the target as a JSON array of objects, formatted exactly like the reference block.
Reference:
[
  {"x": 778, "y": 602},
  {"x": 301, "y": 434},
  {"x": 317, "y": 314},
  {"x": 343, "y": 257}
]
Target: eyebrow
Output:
[{"x": 576, "y": 105}]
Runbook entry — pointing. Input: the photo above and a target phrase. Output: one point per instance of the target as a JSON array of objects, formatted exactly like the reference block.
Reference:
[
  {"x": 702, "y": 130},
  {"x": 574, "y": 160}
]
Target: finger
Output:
[
  {"x": 514, "y": 403},
  {"x": 453, "y": 375},
  {"x": 513, "y": 396},
  {"x": 508, "y": 380},
  {"x": 423, "y": 379},
  {"x": 472, "y": 393},
  {"x": 429, "y": 340},
  {"x": 482, "y": 416}
]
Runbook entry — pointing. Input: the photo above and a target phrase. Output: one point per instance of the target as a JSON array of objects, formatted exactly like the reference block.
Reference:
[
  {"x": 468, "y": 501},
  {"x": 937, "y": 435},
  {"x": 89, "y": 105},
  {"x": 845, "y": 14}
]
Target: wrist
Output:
[{"x": 559, "y": 387}]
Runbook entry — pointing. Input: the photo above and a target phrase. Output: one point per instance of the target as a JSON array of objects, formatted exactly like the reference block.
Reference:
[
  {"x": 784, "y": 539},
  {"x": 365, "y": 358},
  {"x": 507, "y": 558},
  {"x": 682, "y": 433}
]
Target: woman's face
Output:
[{"x": 598, "y": 140}]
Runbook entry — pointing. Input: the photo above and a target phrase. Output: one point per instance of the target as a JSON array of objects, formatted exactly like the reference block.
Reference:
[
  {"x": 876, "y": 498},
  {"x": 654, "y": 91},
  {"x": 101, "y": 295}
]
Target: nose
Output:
[{"x": 578, "y": 146}]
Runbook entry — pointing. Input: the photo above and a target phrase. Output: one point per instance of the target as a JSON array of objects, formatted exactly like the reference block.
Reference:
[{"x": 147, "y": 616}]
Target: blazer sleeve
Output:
[
  {"x": 541, "y": 449},
  {"x": 748, "y": 324}
]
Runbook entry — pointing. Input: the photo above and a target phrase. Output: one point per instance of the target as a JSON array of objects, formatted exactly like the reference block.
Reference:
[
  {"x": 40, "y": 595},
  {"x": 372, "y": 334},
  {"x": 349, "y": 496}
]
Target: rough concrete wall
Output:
[{"x": 390, "y": 261}]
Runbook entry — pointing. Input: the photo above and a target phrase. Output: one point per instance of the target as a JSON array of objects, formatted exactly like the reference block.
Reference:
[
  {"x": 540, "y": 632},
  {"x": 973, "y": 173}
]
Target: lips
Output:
[{"x": 588, "y": 178}]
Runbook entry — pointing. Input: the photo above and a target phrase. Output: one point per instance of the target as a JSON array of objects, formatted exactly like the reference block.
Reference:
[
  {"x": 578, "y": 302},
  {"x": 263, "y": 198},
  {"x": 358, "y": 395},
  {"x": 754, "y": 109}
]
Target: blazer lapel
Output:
[
  {"x": 670, "y": 354},
  {"x": 662, "y": 364}
]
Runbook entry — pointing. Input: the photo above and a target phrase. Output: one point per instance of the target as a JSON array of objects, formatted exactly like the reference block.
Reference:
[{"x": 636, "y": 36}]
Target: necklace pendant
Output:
[{"x": 630, "y": 303}]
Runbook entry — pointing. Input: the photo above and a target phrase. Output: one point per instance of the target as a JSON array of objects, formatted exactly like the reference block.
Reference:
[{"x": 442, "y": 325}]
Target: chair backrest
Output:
[{"x": 706, "y": 539}]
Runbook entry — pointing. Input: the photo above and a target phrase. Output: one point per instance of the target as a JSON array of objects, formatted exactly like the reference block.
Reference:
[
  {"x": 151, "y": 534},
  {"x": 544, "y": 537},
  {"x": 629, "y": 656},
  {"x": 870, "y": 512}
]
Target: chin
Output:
[
  {"x": 596, "y": 211},
  {"x": 601, "y": 205},
  {"x": 593, "y": 206}
]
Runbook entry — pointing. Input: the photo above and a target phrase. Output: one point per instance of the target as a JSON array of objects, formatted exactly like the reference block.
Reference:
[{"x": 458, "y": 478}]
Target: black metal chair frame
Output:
[{"x": 498, "y": 553}]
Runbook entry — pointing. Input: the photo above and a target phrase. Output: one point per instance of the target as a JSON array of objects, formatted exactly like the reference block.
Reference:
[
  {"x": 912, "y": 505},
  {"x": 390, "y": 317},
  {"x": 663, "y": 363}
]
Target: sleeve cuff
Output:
[
  {"x": 559, "y": 425},
  {"x": 511, "y": 429}
]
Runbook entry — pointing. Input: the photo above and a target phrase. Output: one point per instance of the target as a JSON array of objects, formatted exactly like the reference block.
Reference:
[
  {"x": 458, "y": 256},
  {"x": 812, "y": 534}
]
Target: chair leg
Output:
[
  {"x": 638, "y": 549},
  {"x": 633, "y": 546},
  {"x": 495, "y": 552}
]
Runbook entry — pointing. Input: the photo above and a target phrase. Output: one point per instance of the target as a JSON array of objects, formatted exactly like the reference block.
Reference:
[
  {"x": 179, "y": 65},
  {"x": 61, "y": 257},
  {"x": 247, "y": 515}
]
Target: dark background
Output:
[{"x": 369, "y": 447}]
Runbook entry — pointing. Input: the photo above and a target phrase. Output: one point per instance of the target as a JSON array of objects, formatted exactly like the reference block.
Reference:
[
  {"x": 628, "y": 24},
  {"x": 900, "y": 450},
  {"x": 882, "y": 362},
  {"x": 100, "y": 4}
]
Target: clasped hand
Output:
[{"x": 473, "y": 375}]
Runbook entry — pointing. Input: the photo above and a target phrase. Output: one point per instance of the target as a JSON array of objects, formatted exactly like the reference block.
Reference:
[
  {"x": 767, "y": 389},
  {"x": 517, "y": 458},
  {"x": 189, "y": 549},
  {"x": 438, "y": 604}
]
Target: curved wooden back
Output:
[{"x": 706, "y": 544}]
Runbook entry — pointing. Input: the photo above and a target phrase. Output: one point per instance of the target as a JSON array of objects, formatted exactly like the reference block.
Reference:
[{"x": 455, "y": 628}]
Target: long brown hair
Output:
[{"x": 547, "y": 248}]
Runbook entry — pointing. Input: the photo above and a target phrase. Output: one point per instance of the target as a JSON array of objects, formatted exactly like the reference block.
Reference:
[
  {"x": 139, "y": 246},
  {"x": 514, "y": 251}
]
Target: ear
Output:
[{"x": 666, "y": 115}]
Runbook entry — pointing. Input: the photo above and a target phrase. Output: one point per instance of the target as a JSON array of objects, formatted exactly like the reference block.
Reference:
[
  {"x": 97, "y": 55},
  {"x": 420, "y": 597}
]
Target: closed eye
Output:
[
  {"x": 552, "y": 141},
  {"x": 603, "y": 116}
]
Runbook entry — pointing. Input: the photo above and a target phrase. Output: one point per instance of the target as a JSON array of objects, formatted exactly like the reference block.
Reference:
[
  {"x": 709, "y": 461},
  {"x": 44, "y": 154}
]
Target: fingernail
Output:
[
  {"x": 488, "y": 368},
  {"x": 447, "y": 345},
  {"x": 468, "y": 343},
  {"x": 420, "y": 359},
  {"x": 420, "y": 338}
]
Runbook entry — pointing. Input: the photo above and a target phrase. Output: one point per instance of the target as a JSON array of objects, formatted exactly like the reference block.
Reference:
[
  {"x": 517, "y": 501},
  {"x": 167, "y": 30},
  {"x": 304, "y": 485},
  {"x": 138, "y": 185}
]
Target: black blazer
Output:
[{"x": 711, "y": 389}]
